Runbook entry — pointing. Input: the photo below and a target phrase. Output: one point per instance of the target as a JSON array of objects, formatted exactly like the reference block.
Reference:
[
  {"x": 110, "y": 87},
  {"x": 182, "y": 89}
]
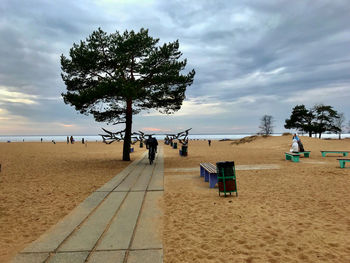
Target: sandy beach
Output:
[
  {"x": 285, "y": 211},
  {"x": 40, "y": 183},
  {"x": 299, "y": 212}
]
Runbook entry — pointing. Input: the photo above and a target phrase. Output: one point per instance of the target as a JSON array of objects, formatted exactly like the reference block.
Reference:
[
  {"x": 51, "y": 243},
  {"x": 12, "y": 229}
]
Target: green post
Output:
[{"x": 342, "y": 163}]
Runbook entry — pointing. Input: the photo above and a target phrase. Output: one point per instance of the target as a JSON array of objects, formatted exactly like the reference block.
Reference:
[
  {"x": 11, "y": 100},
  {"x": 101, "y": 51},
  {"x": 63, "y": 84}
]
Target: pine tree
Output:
[{"x": 114, "y": 76}]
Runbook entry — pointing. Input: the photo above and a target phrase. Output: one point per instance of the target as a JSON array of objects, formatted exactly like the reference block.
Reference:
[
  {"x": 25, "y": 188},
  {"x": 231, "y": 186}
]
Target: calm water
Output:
[{"x": 93, "y": 138}]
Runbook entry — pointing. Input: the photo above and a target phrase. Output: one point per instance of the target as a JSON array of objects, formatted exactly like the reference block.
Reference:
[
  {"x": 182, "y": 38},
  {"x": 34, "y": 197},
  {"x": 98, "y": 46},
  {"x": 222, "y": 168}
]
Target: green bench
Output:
[
  {"x": 345, "y": 153},
  {"x": 342, "y": 162},
  {"x": 306, "y": 153},
  {"x": 294, "y": 157}
]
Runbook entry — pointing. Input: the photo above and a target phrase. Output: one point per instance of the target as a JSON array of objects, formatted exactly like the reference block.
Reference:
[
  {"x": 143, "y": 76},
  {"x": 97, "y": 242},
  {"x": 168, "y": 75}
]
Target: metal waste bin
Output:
[
  {"x": 184, "y": 149},
  {"x": 226, "y": 177}
]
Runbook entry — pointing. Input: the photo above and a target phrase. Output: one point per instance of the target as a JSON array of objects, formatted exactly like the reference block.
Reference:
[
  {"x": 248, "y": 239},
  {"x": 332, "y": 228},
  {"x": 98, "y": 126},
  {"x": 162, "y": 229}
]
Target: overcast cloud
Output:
[{"x": 251, "y": 58}]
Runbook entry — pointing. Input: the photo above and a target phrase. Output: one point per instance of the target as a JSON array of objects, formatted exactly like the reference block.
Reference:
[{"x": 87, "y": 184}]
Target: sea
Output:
[{"x": 97, "y": 138}]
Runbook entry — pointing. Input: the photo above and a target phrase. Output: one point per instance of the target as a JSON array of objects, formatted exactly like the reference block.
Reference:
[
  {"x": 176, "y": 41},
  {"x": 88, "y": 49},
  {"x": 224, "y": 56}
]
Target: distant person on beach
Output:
[
  {"x": 82, "y": 140},
  {"x": 209, "y": 142},
  {"x": 300, "y": 144},
  {"x": 295, "y": 146},
  {"x": 71, "y": 139},
  {"x": 41, "y": 139},
  {"x": 295, "y": 136},
  {"x": 67, "y": 139},
  {"x": 53, "y": 141}
]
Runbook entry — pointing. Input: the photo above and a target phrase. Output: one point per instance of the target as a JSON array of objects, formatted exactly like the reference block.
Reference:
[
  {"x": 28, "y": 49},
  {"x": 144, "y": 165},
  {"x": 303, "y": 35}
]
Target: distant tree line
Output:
[{"x": 316, "y": 120}]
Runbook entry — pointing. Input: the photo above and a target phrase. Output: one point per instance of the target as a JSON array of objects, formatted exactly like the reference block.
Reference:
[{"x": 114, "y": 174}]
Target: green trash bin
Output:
[
  {"x": 175, "y": 145},
  {"x": 226, "y": 177}
]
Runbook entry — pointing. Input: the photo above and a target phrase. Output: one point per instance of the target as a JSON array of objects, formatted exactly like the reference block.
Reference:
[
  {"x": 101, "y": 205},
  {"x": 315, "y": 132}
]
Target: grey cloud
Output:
[{"x": 224, "y": 41}]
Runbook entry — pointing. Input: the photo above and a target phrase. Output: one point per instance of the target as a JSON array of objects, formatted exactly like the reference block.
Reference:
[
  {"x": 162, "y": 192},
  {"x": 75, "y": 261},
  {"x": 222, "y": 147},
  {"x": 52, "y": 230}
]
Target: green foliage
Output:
[
  {"x": 319, "y": 119},
  {"x": 113, "y": 76},
  {"x": 325, "y": 119},
  {"x": 300, "y": 119},
  {"x": 106, "y": 70}
]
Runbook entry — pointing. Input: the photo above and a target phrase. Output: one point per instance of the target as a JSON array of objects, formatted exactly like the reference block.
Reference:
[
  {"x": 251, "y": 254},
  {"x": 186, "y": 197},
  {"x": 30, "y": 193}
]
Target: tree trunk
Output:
[
  {"x": 310, "y": 133},
  {"x": 128, "y": 127}
]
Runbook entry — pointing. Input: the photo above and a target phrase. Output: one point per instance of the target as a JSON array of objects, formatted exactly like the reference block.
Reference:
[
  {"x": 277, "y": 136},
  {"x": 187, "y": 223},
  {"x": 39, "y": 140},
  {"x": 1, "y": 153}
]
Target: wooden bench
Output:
[
  {"x": 294, "y": 157},
  {"x": 305, "y": 153},
  {"x": 345, "y": 153},
  {"x": 342, "y": 162},
  {"x": 208, "y": 171}
]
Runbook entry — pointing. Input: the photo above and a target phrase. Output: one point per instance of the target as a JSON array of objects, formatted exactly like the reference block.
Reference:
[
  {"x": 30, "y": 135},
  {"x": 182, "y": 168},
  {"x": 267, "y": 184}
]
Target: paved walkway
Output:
[{"x": 119, "y": 222}]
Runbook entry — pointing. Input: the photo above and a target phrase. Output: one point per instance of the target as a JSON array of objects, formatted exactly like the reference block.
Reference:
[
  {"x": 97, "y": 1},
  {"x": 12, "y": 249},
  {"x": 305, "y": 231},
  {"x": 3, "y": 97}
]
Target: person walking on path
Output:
[
  {"x": 151, "y": 145},
  {"x": 209, "y": 142}
]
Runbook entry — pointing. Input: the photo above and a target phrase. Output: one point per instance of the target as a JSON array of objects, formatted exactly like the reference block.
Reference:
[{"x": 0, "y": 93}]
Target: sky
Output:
[{"x": 251, "y": 58}]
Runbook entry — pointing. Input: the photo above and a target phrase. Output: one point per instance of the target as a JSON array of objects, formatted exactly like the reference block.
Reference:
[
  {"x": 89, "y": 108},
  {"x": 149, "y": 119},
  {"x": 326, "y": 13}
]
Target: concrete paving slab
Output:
[
  {"x": 115, "y": 181},
  {"x": 131, "y": 178},
  {"x": 120, "y": 232},
  {"x": 86, "y": 237},
  {"x": 149, "y": 228},
  {"x": 145, "y": 256},
  {"x": 83, "y": 227},
  {"x": 69, "y": 257},
  {"x": 142, "y": 182},
  {"x": 157, "y": 181},
  {"x": 313, "y": 162},
  {"x": 181, "y": 170},
  {"x": 51, "y": 239},
  {"x": 257, "y": 167},
  {"x": 107, "y": 257},
  {"x": 30, "y": 258}
]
